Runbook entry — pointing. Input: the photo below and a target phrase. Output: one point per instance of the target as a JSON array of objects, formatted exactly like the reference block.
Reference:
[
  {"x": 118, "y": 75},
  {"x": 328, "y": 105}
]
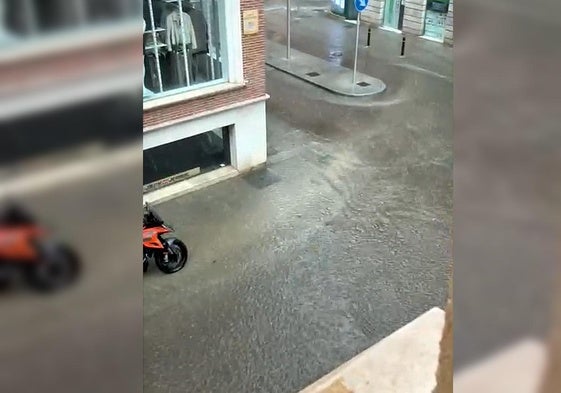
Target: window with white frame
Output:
[{"x": 185, "y": 46}]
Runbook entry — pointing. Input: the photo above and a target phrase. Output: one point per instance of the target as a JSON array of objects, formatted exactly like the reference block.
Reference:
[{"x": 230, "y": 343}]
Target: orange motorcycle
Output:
[
  {"x": 27, "y": 249},
  {"x": 169, "y": 253}
]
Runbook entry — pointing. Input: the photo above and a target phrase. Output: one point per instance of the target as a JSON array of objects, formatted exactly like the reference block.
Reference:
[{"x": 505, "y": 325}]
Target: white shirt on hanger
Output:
[{"x": 174, "y": 33}]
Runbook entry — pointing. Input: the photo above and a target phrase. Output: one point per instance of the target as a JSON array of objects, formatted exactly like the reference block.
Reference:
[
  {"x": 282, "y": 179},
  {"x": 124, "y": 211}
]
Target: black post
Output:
[
  {"x": 368, "y": 38},
  {"x": 403, "y": 46}
]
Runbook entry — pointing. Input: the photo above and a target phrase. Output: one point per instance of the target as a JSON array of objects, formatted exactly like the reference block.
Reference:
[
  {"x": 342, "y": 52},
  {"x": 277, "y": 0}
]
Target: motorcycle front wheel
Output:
[{"x": 176, "y": 257}]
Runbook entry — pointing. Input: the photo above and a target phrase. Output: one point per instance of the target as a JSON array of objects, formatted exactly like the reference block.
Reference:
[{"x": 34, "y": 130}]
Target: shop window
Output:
[
  {"x": 185, "y": 158},
  {"x": 440, "y": 6},
  {"x": 435, "y": 19},
  {"x": 184, "y": 45}
]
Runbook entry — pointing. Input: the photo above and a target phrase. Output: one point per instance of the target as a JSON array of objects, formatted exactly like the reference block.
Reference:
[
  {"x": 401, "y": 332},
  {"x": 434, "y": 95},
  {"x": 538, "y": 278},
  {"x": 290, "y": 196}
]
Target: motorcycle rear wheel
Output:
[
  {"x": 58, "y": 268},
  {"x": 177, "y": 256}
]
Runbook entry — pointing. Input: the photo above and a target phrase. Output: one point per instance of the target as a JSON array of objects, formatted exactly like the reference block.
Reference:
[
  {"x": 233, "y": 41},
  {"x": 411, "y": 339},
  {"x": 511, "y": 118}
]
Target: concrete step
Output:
[{"x": 404, "y": 362}]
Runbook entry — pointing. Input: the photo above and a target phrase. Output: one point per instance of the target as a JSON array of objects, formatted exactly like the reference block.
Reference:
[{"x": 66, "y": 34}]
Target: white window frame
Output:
[{"x": 234, "y": 61}]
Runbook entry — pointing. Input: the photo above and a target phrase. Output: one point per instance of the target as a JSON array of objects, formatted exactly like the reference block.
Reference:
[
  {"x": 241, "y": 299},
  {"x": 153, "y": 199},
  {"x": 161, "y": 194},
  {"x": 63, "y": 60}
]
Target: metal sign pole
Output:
[
  {"x": 356, "y": 47},
  {"x": 288, "y": 7}
]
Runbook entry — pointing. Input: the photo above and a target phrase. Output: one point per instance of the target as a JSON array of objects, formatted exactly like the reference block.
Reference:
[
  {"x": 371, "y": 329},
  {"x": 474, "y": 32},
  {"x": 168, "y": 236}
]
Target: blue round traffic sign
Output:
[{"x": 360, "y": 5}]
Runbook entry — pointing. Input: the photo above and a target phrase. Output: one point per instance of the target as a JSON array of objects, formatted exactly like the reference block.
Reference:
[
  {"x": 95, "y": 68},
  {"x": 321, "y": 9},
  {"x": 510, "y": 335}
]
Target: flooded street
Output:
[{"x": 341, "y": 239}]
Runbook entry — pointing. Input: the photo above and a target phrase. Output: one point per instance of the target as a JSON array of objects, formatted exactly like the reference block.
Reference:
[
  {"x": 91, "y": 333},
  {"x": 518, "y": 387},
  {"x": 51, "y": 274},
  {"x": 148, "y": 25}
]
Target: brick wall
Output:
[{"x": 254, "y": 73}]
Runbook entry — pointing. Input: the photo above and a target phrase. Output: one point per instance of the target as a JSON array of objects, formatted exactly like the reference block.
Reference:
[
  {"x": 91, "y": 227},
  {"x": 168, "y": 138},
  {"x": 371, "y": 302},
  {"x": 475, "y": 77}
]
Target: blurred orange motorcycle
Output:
[{"x": 28, "y": 250}]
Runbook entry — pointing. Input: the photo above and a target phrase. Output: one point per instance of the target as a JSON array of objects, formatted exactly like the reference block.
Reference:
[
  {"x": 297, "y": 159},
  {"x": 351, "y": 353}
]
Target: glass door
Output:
[{"x": 391, "y": 13}]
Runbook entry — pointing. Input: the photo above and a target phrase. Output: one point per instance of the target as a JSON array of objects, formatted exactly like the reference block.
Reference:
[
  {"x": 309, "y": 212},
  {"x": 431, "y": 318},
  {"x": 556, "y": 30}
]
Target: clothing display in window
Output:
[
  {"x": 178, "y": 74},
  {"x": 200, "y": 28},
  {"x": 214, "y": 22},
  {"x": 177, "y": 30},
  {"x": 182, "y": 44},
  {"x": 151, "y": 74},
  {"x": 145, "y": 91},
  {"x": 201, "y": 61}
]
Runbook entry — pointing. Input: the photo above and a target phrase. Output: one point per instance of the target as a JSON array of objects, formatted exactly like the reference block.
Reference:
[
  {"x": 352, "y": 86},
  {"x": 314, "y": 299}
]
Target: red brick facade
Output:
[{"x": 254, "y": 74}]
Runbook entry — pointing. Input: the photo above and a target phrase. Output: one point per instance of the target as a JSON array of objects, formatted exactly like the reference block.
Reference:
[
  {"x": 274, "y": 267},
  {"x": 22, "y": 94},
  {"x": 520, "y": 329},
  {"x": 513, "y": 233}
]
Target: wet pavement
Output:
[{"x": 343, "y": 238}]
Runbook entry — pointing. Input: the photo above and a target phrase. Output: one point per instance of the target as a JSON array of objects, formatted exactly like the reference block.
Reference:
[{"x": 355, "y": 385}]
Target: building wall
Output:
[
  {"x": 449, "y": 34},
  {"x": 253, "y": 49},
  {"x": 374, "y": 13},
  {"x": 248, "y": 138},
  {"x": 241, "y": 108},
  {"x": 414, "y": 17},
  {"x": 248, "y": 145}
]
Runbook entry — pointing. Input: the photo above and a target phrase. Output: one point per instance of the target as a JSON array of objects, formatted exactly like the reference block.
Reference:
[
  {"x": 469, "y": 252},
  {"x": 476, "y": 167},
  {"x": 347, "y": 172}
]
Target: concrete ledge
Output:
[
  {"x": 189, "y": 185},
  {"x": 329, "y": 76},
  {"x": 404, "y": 362}
]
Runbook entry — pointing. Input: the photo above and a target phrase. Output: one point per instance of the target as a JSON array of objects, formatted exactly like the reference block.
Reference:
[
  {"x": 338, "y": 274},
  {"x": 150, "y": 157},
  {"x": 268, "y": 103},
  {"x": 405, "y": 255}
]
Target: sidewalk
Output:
[{"x": 334, "y": 78}]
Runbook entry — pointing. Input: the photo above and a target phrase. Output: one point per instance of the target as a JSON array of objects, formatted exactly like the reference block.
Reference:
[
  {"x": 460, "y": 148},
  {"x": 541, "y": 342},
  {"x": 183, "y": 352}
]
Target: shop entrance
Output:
[
  {"x": 435, "y": 19},
  {"x": 393, "y": 14},
  {"x": 185, "y": 158}
]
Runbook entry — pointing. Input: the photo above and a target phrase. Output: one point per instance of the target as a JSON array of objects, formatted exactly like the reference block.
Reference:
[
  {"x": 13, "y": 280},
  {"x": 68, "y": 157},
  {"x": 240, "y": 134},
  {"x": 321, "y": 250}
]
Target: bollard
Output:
[
  {"x": 403, "y": 46},
  {"x": 368, "y": 37}
]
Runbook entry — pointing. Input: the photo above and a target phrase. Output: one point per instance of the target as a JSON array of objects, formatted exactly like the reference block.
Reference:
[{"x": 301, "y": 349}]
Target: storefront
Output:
[
  {"x": 430, "y": 19},
  {"x": 435, "y": 19},
  {"x": 204, "y": 91},
  {"x": 172, "y": 162}
]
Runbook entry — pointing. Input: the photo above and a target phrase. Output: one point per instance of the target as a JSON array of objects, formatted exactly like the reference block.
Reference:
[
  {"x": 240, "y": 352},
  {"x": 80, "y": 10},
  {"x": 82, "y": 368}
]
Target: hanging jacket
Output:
[
  {"x": 174, "y": 33},
  {"x": 201, "y": 29}
]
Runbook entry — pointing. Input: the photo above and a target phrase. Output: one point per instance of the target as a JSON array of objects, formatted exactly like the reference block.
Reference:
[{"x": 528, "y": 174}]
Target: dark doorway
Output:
[{"x": 185, "y": 158}]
